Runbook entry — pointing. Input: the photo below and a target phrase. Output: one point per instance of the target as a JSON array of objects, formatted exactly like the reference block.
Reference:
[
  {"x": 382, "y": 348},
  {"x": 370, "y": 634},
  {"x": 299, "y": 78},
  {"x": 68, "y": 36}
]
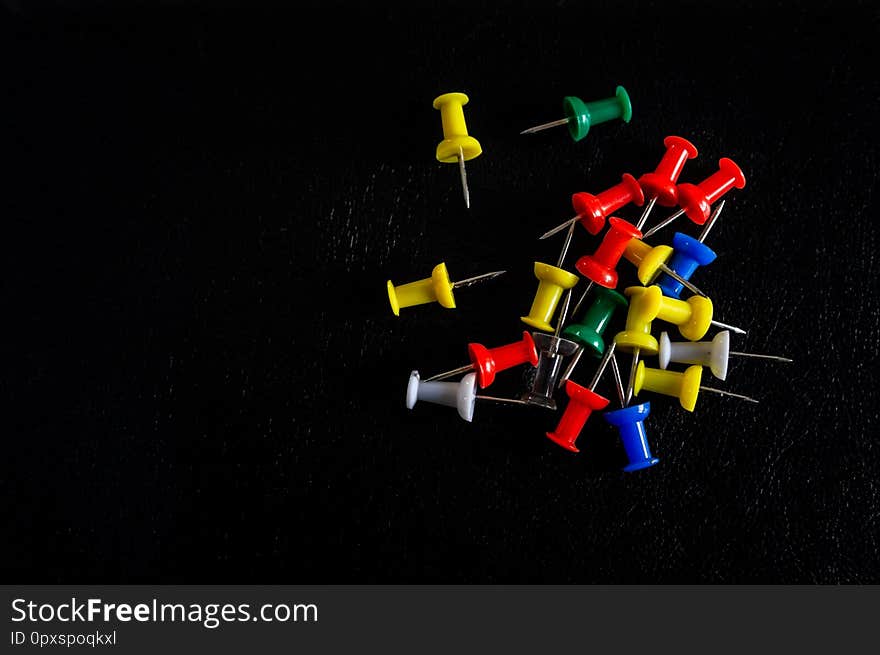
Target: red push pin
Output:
[
  {"x": 696, "y": 200},
  {"x": 593, "y": 210},
  {"x": 601, "y": 267},
  {"x": 581, "y": 403},
  {"x": 659, "y": 186},
  {"x": 489, "y": 361}
]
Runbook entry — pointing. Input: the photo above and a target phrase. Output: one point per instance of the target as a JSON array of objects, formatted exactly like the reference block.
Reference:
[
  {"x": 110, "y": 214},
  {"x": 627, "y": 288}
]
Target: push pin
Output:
[
  {"x": 692, "y": 316},
  {"x": 460, "y": 395},
  {"x": 437, "y": 288},
  {"x": 659, "y": 186},
  {"x": 489, "y": 361},
  {"x": 696, "y": 200},
  {"x": 601, "y": 267},
  {"x": 580, "y": 115},
  {"x": 714, "y": 354},
  {"x": 689, "y": 255},
  {"x": 644, "y": 305},
  {"x": 552, "y": 281},
  {"x": 630, "y": 423},
  {"x": 592, "y": 210},
  {"x": 552, "y": 351},
  {"x": 650, "y": 261},
  {"x": 456, "y": 144},
  {"x": 588, "y": 333},
  {"x": 582, "y": 401},
  {"x": 684, "y": 386}
]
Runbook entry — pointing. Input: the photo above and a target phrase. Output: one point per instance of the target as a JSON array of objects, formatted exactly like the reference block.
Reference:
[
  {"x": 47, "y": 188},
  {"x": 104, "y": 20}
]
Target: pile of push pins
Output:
[{"x": 664, "y": 273}]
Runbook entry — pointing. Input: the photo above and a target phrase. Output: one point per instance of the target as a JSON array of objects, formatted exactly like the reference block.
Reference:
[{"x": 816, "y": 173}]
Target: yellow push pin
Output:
[
  {"x": 456, "y": 144},
  {"x": 552, "y": 281},
  {"x": 437, "y": 288},
  {"x": 651, "y": 261},
  {"x": 644, "y": 306},
  {"x": 684, "y": 386}
]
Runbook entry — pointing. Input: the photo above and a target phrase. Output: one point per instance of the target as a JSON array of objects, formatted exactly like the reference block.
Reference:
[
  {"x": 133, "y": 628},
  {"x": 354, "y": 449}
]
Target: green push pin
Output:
[
  {"x": 588, "y": 333},
  {"x": 580, "y": 115}
]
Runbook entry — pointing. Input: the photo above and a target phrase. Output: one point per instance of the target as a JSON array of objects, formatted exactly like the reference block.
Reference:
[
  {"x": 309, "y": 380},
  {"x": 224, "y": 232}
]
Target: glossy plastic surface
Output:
[
  {"x": 581, "y": 403},
  {"x": 692, "y": 316},
  {"x": 601, "y": 266},
  {"x": 684, "y": 386},
  {"x": 460, "y": 395},
  {"x": 588, "y": 333},
  {"x": 582, "y": 115},
  {"x": 552, "y": 281},
  {"x": 644, "y": 303},
  {"x": 715, "y": 354},
  {"x": 552, "y": 351},
  {"x": 630, "y": 424},
  {"x": 689, "y": 255},
  {"x": 455, "y": 134},
  {"x": 489, "y": 361},
  {"x": 661, "y": 183},
  {"x": 594, "y": 209},
  {"x": 647, "y": 259},
  {"x": 697, "y": 199},
  {"x": 437, "y": 288}
]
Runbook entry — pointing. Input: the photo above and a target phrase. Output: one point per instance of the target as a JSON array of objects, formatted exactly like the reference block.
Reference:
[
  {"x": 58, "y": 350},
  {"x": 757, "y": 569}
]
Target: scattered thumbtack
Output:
[
  {"x": 696, "y": 200},
  {"x": 437, "y": 288},
  {"x": 601, "y": 267},
  {"x": 630, "y": 424},
  {"x": 552, "y": 281},
  {"x": 580, "y": 115},
  {"x": 489, "y": 361},
  {"x": 684, "y": 386},
  {"x": 592, "y": 210},
  {"x": 692, "y": 316},
  {"x": 659, "y": 186},
  {"x": 643, "y": 307},
  {"x": 581, "y": 403},
  {"x": 552, "y": 351},
  {"x": 457, "y": 145},
  {"x": 460, "y": 395},
  {"x": 588, "y": 333},
  {"x": 689, "y": 255},
  {"x": 650, "y": 261},
  {"x": 714, "y": 354}
]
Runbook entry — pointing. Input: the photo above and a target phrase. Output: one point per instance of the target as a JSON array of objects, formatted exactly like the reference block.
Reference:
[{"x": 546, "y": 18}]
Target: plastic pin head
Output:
[
  {"x": 647, "y": 259},
  {"x": 487, "y": 362},
  {"x": 582, "y": 402},
  {"x": 684, "y": 386},
  {"x": 592, "y": 210},
  {"x": 715, "y": 354},
  {"x": 460, "y": 395},
  {"x": 552, "y": 281},
  {"x": 630, "y": 424},
  {"x": 588, "y": 333},
  {"x": 583, "y": 115},
  {"x": 601, "y": 266},
  {"x": 661, "y": 183},
  {"x": 696, "y": 199},
  {"x": 455, "y": 135},
  {"x": 644, "y": 304},
  {"x": 552, "y": 350},
  {"x": 692, "y": 316},
  {"x": 689, "y": 255}
]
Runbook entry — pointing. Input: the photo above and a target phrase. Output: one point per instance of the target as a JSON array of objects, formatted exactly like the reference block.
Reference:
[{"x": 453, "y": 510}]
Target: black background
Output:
[{"x": 202, "y": 378}]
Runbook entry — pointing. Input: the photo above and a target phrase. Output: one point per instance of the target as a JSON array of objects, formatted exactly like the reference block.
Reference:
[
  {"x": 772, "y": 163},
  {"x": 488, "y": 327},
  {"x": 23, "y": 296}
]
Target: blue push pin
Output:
[
  {"x": 629, "y": 421},
  {"x": 689, "y": 255}
]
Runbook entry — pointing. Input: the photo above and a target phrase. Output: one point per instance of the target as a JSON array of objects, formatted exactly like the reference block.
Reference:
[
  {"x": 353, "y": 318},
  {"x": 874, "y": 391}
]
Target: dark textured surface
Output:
[{"x": 203, "y": 379}]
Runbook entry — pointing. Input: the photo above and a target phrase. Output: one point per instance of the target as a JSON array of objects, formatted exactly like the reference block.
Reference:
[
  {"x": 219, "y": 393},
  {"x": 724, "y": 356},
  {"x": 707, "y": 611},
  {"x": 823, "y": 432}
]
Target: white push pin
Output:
[
  {"x": 461, "y": 395},
  {"x": 714, "y": 354}
]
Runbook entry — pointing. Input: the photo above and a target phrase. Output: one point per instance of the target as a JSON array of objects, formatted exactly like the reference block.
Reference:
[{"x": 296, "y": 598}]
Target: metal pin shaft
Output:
[
  {"x": 711, "y": 222},
  {"x": 728, "y": 393},
  {"x": 678, "y": 278},
  {"x": 725, "y": 326},
  {"x": 565, "y": 246},
  {"x": 571, "y": 364},
  {"x": 757, "y": 356},
  {"x": 632, "y": 375},
  {"x": 662, "y": 224},
  {"x": 545, "y": 126},
  {"x": 644, "y": 217},
  {"x": 461, "y": 284},
  {"x": 618, "y": 382},
  {"x": 450, "y": 374},
  {"x": 582, "y": 298},
  {"x": 511, "y": 401},
  {"x": 609, "y": 353},
  {"x": 560, "y": 227},
  {"x": 464, "y": 185},
  {"x": 563, "y": 313}
]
